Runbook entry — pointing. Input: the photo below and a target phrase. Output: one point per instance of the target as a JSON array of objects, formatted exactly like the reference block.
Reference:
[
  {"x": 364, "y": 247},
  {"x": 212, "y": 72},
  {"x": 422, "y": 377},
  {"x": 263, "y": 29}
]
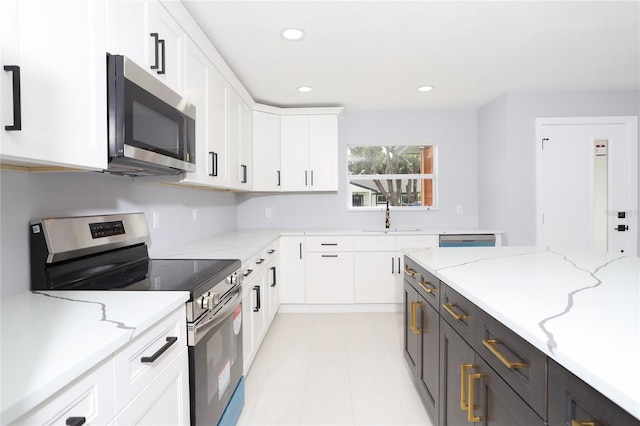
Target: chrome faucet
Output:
[{"x": 387, "y": 219}]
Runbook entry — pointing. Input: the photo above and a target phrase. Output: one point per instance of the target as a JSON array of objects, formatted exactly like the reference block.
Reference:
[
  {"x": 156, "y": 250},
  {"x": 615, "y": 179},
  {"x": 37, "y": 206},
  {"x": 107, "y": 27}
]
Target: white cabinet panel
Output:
[
  {"x": 239, "y": 143},
  {"x": 266, "y": 151},
  {"x": 91, "y": 397},
  {"x": 60, "y": 52},
  {"x": 375, "y": 277},
  {"x": 165, "y": 400},
  {"x": 167, "y": 55},
  {"x": 329, "y": 278},
  {"x": 309, "y": 152},
  {"x": 292, "y": 269}
]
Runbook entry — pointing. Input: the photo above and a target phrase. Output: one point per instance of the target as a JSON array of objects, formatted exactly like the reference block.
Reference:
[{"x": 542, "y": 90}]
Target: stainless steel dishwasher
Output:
[{"x": 467, "y": 240}]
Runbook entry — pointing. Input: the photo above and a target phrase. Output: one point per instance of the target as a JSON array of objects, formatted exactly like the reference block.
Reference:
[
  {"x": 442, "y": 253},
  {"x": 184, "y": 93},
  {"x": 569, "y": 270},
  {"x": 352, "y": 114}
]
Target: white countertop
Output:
[
  {"x": 244, "y": 243},
  {"x": 51, "y": 338},
  {"x": 580, "y": 308}
]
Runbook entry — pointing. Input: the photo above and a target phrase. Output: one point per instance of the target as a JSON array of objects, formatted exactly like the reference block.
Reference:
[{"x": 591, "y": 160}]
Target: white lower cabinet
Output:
[
  {"x": 90, "y": 397},
  {"x": 292, "y": 269},
  {"x": 163, "y": 401},
  {"x": 329, "y": 270},
  {"x": 145, "y": 382},
  {"x": 375, "y": 276}
]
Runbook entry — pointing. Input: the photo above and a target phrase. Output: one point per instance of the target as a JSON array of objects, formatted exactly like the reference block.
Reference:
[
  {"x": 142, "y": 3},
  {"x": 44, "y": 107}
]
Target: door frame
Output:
[{"x": 632, "y": 128}]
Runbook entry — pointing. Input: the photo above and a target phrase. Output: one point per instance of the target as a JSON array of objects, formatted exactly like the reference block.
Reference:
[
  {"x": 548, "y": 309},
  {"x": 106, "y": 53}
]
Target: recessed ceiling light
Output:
[
  {"x": 425, "y": 88},
  {"x": 292, "y": 34},
  {"x": 305, "y": 89}
]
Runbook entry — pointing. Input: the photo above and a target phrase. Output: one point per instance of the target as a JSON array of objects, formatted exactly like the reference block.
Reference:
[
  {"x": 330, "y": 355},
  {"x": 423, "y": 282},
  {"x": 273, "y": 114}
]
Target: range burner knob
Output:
[{"x": 209, "y": 300}]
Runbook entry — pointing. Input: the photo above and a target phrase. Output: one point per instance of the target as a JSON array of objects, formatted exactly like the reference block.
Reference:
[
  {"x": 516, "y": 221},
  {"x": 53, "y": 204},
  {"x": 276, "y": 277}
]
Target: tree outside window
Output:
[{"x": 403, "y": 175}]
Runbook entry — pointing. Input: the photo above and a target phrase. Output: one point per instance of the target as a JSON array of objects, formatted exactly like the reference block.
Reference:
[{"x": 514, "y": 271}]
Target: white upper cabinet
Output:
[
  {"x": 266, "y": 151},
  {"x": 239, "y": 143},
  {"x": 309, "y": 152},
  {"x": 146, "y": 33},
  {"x": 197, "y": 89},
  {"x": 55, "y": 52}
]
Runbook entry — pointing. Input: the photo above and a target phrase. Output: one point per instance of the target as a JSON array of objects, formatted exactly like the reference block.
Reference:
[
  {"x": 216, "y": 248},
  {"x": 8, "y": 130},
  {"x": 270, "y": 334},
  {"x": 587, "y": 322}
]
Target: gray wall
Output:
[
  {"x": 25, "y": 196},
  {"x": 506, "y": 142},
  {"x": 454, "y": 133}
]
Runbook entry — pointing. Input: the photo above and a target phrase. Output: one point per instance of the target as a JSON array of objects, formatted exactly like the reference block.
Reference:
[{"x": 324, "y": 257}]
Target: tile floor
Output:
[{"x": 332, "y": 369}]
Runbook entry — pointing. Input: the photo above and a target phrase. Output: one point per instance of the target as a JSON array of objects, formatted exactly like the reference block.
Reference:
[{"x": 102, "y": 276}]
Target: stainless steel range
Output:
[{"x": 110, "y": 252}]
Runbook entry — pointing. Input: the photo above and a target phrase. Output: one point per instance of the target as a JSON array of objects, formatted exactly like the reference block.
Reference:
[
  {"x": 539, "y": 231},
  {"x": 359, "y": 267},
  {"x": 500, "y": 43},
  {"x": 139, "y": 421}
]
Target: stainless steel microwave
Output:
[{"x": 152, "y": 129}]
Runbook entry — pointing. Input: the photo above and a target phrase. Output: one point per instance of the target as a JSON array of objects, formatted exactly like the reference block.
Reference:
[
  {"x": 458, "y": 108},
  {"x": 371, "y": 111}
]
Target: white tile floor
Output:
[{"x": 332, "y": 369}]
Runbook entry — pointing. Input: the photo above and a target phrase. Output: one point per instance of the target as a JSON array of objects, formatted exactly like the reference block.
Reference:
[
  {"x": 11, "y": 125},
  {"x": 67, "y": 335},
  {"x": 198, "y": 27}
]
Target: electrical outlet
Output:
[
  {"x": 156, "y": 220},
  {"x": 458, "y": 209},
  {"x": 195, "y": 215},
  {"x": 267, "y": 212}
]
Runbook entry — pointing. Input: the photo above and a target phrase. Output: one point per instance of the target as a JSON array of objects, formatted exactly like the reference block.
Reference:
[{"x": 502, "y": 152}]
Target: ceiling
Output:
[{"x": 374, "y": 54}]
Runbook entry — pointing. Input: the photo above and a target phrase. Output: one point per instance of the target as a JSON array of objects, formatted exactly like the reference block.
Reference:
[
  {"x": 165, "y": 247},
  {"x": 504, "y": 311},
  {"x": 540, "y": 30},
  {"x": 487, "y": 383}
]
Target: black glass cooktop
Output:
[{"x": 195, "y": 276}]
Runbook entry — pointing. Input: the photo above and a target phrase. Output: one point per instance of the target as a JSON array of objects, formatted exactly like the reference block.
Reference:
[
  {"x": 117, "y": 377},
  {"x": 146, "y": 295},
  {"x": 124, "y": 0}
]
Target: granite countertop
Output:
[
  {"x": 48, "y": 339},
  {"x": 581, "y": 308}
]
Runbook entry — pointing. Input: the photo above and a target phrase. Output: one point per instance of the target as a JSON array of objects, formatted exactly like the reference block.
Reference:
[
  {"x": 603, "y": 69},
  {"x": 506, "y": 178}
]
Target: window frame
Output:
[{"x": 382, "y": 206}]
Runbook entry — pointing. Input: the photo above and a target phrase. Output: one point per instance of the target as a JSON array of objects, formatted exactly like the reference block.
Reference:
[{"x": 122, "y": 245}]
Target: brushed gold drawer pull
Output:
[
  {"x": 424, "y": 284},
  {"x": 470, "y": 412},
  {"x": 491, "y": 345},
  {"x": 583, "y": 423},
  {"x": 464, "y": 406},
  {"x": 448, "y": 307},
  {"x": 414, "y": 315},
  {"x": 410, "y": 272}
]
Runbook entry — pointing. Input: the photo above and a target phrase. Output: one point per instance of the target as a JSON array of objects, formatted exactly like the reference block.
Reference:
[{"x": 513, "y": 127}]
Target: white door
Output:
[{"x": 587, "y": 176}]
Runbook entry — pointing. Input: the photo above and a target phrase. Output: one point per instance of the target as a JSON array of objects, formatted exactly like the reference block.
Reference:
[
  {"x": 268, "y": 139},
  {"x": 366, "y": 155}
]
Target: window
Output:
[{"x": 403, "y": 175}]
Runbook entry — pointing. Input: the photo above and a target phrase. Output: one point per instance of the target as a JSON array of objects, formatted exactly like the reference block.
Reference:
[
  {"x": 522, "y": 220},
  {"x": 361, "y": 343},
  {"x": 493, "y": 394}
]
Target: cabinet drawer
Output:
[
  {"x": 137, "y": 364},
  {"x": 374, "y": 243},
  {"x": 519, "y": 363},
  {"x": 329, "y": 244},
  {"x": 572, "y": 399},
  {"x": 423, "y": 281},
  {"x": 90, "y": 397},
  {"x": 458, "y": 311}
]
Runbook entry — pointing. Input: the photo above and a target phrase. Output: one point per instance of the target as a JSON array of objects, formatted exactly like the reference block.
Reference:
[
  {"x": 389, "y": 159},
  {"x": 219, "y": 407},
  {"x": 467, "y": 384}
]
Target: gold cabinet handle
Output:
[
  {"x": 424, "y": 284},
  {"x": 470, "y": 412},
  {"x": 583, "y": 423},
  {"x": 414, "y": 317},
  {"x": 410, "y": 272},
  {"x": 491, "y": 345},
  {"x": 464, "y": 406},
  {"x": 448, "y": 307}
]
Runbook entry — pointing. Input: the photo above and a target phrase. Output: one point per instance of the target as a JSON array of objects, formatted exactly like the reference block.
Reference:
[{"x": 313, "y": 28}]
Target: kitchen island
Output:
[{"x": 579, "y": 308}]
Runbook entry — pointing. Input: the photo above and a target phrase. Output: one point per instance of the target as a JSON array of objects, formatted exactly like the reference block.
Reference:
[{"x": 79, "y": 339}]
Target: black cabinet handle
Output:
[
  {"x": 271, "y": 251},
  {"x": 170, "y": 341},
  {"x": 244, "y": 173},
  {"x": 157, "y": 52},
  {"x": 248, "y": 272},
  {"x": 399, "y": 271},
  {"x": 328, "y": 244},
  {"x": 300, "y": 251},
  {"x": 311, "y": 177},
  {"x": 161, "y": 71},
  {"x": 393, "y": 265},
  {"x": 214, "y": 163},
  {"x": 329, "y": 255},
  {"x": 305, "y": 178},
  {"x": 273, "y": 269},
  {"x": 278, "y": 177},
  {"x": 257, "y": 290},
  {"x": 259, "y": 261},
  {"x": 17, "y": 105},
  {"x": 75, "y": 421}
]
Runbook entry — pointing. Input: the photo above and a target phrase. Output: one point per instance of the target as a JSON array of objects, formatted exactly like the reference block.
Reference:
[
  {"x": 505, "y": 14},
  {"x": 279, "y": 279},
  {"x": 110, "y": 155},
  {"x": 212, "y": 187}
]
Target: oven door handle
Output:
[{"x": 200, "y": 329}]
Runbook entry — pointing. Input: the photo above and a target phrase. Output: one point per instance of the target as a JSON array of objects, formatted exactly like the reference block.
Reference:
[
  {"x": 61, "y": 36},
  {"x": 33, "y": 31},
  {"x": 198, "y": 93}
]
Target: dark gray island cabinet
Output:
[{"x": 470, "y": 368}]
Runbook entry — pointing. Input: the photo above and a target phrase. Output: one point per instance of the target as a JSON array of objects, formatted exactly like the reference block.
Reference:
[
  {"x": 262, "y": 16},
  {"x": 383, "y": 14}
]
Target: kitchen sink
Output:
[{"x": 385, "y": 230}]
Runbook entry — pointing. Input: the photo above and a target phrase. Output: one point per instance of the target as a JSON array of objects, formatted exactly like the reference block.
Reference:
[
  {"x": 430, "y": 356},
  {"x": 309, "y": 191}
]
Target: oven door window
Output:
[
  {"x": 217, "y": 361},
  {"x": 153, "y": 125}
]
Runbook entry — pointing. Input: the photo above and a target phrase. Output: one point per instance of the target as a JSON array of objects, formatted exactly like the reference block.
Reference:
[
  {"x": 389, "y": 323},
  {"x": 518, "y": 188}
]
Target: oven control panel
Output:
[{"x": 106, "y": 229}]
